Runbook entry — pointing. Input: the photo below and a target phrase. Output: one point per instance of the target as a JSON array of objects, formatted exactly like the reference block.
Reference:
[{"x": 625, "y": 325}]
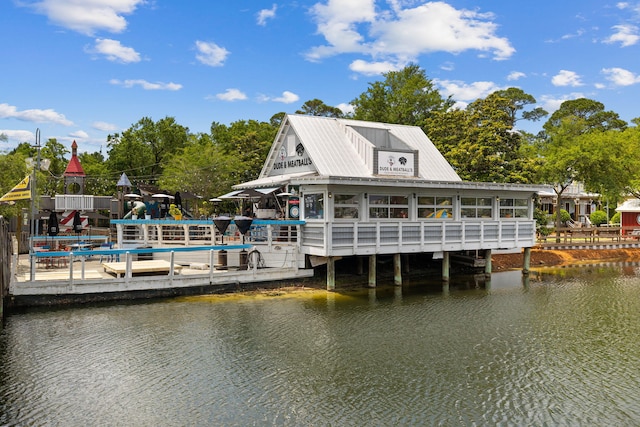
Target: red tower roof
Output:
[{"x": 74, "y": 168}]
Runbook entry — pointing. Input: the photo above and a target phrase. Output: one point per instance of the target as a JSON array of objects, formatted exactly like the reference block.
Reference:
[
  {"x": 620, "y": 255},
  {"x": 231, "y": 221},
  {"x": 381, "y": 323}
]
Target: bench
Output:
[{"x": 140, "y": 267}]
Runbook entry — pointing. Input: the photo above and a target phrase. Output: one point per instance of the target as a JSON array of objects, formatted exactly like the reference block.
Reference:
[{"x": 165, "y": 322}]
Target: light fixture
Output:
[{"x": 330, "y": 194}]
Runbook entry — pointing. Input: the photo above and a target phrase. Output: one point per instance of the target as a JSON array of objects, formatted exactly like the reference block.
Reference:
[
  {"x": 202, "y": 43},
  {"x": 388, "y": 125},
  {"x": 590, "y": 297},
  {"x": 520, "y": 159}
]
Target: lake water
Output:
[{"x": 562, "y": 348}]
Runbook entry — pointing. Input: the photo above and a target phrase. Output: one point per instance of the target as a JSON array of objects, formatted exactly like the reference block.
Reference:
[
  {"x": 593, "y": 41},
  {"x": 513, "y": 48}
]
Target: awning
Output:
[
  {"x": 270, "y": 181},
  {"x": 269, "y": 190},
  {"x": 231, "y": 195}
]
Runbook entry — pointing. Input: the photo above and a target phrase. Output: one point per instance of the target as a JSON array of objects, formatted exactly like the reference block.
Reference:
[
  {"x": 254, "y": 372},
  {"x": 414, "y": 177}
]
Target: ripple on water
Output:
[{"x": 559, "y": 351}]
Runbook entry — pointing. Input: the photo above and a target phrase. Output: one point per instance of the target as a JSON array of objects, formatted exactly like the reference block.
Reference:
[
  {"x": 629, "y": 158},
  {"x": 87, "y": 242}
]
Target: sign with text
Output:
[
  {"x": 291, "y": 160},
  {"x": 396, "y": 163}
]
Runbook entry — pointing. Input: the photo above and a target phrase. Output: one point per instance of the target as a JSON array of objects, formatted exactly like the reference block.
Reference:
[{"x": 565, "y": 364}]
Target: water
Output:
[{"x": 560, "y": 349}]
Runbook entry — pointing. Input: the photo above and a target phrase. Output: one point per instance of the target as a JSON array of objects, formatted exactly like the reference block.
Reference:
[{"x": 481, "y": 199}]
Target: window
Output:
[
  {"x": 314, "y": 206},
  {"x": 435, "y": 207},
  {"x": 388, "y": 206},
  {"x": 345, "y": 206},
  {"x": 514, "y": 208},
  {"x": 476, "y": 207}
]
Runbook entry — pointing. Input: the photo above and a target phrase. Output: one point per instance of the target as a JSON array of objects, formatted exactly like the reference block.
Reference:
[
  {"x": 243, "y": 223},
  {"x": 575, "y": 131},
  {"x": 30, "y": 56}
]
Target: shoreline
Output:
[{"x": 555, "y": 257}]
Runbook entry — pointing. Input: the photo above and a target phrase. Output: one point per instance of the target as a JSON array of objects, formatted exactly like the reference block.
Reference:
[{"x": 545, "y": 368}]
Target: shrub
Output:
[
  {"x": 598, "y": 218},
  {"x": 564, "y": 217},
  {"x": 615, "y": 219}
]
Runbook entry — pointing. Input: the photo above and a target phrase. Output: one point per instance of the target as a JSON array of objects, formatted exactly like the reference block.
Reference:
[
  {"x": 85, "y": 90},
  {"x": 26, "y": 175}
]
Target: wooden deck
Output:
[{"x": 141, "y": 267}]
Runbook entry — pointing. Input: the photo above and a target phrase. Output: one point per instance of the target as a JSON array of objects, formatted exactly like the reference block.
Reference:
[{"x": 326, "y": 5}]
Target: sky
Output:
[{"x": 81, "y": 70}]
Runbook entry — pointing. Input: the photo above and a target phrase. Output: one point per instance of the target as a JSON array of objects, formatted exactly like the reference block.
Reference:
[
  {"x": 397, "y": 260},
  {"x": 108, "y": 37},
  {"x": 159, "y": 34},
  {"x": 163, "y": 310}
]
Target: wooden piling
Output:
[
  {"x": 331, "y": 274},
  {"x": 372, "y": 271},
  {"x": 487, "y": 266},
  {"x": 397, "y": 270},
  {"x": 446, "y": 266},
  {"x": 526, "y": 262}
]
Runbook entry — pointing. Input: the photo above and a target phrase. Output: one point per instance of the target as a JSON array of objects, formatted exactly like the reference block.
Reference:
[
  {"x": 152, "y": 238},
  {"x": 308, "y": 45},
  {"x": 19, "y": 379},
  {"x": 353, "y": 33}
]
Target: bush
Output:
[
  {"x": 615, "y": 219},
  {"x": 564, "y": 217},
  {"x": 598, "y": 218}
]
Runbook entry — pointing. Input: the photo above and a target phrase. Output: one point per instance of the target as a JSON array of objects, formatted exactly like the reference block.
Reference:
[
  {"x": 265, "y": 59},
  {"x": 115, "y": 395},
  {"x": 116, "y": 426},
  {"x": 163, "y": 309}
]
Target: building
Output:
[{"x": 368, "y": 189}]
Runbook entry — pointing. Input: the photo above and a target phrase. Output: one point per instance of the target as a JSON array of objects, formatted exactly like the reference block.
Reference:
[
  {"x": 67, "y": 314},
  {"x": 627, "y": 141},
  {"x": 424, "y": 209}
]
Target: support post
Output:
[
  {"x": 372, "y": 271},
  {"x": 526, "y": 265},
  {"x": 359, "y": 266},
  {"x": 446, "y": 265},
  {"x": 331, "y": 274},
  {"x": 397, "y": 270},
  {"x": 487, "y": 266}
]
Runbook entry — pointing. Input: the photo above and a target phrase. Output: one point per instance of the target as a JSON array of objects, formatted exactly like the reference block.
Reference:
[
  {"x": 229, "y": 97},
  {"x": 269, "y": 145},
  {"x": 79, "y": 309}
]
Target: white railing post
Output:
[
  {"x": 185, "y": 229},
  {"x": 171, "y": 258},
  {"x": 128, "y": 269},
  {"x": 211, "y": 266},
  {"x": 120, "y": 233}
]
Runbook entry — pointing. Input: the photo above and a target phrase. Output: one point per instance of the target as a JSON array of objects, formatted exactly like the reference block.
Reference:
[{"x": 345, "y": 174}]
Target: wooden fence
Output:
[{"x": 6, "y": 249}]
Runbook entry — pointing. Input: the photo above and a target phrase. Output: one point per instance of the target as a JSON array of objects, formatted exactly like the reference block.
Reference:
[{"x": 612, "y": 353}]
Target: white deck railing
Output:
[{"x": 359, "y": 238}]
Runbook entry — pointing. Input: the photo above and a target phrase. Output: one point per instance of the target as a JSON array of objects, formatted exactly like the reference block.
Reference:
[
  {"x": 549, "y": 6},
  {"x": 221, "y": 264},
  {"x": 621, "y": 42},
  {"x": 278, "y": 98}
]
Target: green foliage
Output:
[
  {"x": 316, "y": 107},
  {"x": 598, "y": 218},
  {"x": 141, "y": 150},
  {"x": 246, "y": 144},
  {"x": 404, "y": 97},
  {"x": 565, "y": 217},
  {"x": 480, "y": 141},
  {"x": 615, "y": 219},
  {"x": 542, "y": 219},
  {"x": 14, "y": 169}
]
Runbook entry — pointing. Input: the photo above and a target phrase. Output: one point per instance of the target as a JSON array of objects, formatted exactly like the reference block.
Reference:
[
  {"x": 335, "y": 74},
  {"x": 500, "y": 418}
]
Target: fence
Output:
[{"x": 5, "y": 263}]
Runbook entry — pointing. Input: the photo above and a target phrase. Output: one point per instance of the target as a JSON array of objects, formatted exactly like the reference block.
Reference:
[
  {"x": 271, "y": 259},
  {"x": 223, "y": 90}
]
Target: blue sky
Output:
[{"x": 80, "y": 70}]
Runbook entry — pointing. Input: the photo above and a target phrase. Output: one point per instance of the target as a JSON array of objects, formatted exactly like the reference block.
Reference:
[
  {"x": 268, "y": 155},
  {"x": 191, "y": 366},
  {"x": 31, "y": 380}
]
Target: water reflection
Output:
[{"x": 555, "y": 347}]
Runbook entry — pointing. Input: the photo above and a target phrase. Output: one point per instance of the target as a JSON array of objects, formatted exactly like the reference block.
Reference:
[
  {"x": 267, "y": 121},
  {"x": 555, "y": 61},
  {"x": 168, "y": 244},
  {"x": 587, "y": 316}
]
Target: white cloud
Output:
[
  {"x": 402, "y": 34},
  {"x": 232, "y": 95},
  {"x": 551, "y": 103},
  {"x": 620, "y": 76},
  {"x": 34, "y": 115},
  {"x": 566, "y": 78},
  {"x": 211, "y": 54},
  {"x": 464, "y": 93},
  {"x": 104, "y": 126},
  {"x": 80, "y": 134},
  {"x": 87, "y": 17},
  {"x": 287, "y": 97},
  {"x": 265, "y": 14},
  {"x": 114, "y": 51},
  {"x": 516, "y": 75},
  {"x": 372, "y": 68},
  {"x": 145, "y": 84},
  {"x": 346, "y": 108},
  {"x": 17, "y": 136},
  {"x": 625, "y": 34}
]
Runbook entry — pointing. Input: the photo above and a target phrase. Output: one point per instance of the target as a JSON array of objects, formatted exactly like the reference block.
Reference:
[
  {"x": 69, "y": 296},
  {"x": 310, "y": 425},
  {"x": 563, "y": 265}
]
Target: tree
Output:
[
  {"x": 518, "y": 101},
  {"x": 55, "y": 152},
  {"x": 480, "y": 142},
  {"x": 247, "y": 142},
  {"x": 405, "y": 97},
  {"x": 14, "y": 169},
  {"x": 316, "y": 107},
  {"x": 142, "y": 149},
  {"x": 590, "y": 113},
  {"x": 100, "y": 180},
  {"x": 200, "y": 168},
  {"x": 573, "y": 148}
]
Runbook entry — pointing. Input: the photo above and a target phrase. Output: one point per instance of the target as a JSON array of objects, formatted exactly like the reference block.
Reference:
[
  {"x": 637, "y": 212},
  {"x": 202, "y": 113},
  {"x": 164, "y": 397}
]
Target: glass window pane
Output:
[
  {"x": 399, "y": 200},
  {"x": 378, "y": 200},
  {"x": 379, "y": 213},
  {"x": 314, "y": 206},
  {"x": 423, "y": 200}
]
